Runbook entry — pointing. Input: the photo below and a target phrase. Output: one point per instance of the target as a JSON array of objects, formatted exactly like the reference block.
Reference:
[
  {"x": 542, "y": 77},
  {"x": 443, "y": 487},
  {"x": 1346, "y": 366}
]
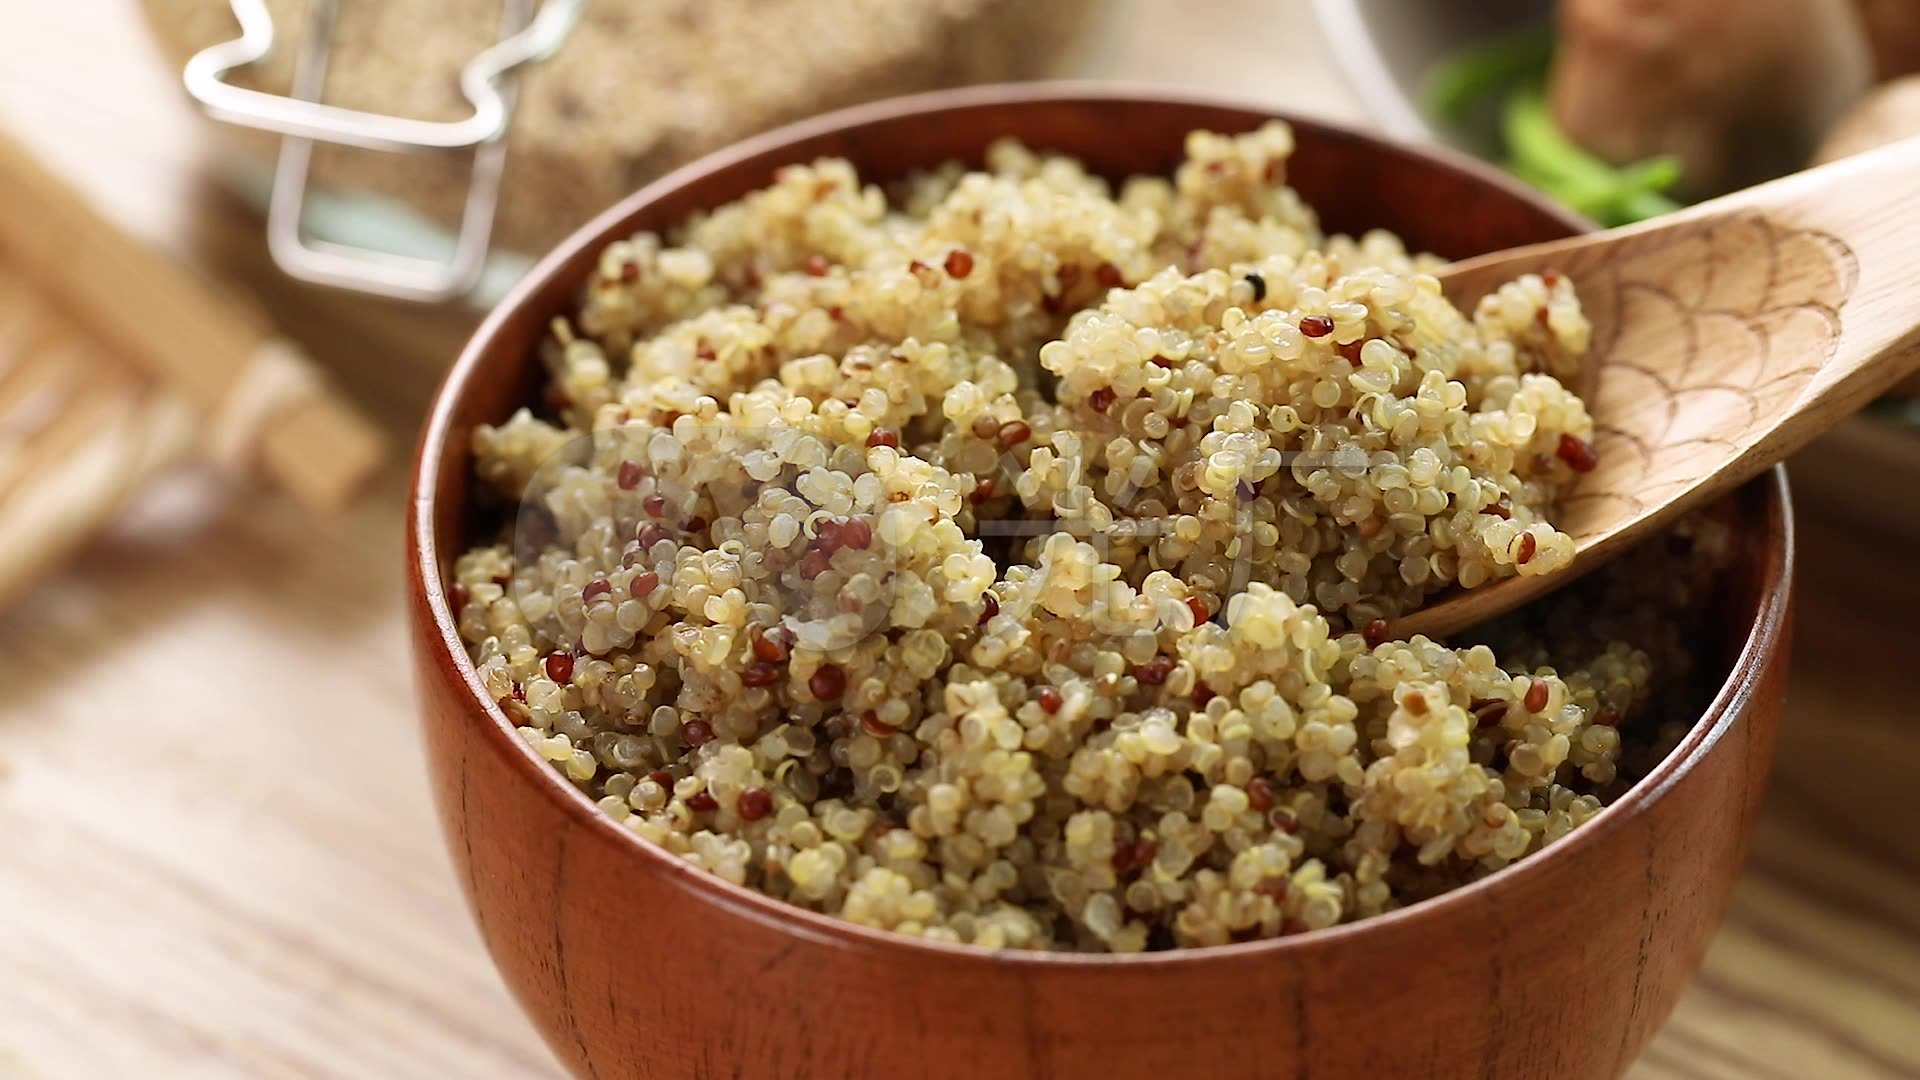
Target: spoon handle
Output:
[{"x": 1863, "y": 214}]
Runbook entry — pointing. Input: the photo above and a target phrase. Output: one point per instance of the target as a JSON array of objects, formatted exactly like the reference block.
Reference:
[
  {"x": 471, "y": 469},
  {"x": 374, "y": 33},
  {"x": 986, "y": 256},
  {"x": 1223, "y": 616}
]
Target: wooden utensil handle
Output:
[
  {"x": 1865, "y": 211},
  {"x": 180, "y": 330}
]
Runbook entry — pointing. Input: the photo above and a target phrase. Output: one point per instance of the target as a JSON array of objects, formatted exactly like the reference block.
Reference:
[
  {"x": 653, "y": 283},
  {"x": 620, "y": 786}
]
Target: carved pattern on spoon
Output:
[{"x": 1756, "y": 330}]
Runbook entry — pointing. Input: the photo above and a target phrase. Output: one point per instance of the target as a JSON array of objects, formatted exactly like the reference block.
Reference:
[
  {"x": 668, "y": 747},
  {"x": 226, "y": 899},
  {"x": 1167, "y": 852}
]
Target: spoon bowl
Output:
[{"x": 1725, "y": 337}]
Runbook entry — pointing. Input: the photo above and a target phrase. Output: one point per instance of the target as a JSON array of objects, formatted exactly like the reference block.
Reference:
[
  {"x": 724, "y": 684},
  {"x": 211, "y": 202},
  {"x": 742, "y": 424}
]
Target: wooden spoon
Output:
[{"x": 1726, "y": 336}]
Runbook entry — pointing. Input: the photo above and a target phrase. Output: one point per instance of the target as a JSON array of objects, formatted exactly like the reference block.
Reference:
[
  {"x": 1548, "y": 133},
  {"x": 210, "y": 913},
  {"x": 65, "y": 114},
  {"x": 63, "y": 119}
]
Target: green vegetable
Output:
[
  {"x": 1514, "y": 68},
  {"x": 1480, "y": 72},
  {"x": 1539, "y": 153}
]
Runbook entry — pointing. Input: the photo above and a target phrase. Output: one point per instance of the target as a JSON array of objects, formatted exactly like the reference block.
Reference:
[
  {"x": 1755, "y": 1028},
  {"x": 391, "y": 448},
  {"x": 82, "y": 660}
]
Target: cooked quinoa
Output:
[{"x": 1011, "y": 559}]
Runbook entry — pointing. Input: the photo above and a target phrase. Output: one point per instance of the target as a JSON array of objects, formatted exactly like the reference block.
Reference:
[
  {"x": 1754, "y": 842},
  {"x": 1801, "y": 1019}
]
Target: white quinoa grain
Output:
[{"x": 1016, "y": 550}]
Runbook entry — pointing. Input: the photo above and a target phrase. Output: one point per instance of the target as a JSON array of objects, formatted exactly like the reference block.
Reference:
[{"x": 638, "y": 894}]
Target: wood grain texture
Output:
[
  {"x": 565, "y": 896},
  {"x": 1725, "y": 337},
  {"x": 278, "y": 904}
]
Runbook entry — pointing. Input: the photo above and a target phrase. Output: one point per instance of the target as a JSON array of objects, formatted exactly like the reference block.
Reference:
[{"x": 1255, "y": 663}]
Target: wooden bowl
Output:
[{"x": 635, "y": 963}]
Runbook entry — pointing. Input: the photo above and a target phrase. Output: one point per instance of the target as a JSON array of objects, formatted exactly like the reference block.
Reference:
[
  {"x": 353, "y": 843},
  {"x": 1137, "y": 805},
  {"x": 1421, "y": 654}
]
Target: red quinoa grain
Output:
[
  {"x": 1577, "y": 453},
  {"x": 1537, "y": 695},
  {"x": 827, "y": 683},
  {"x": 755, "y": 803}
]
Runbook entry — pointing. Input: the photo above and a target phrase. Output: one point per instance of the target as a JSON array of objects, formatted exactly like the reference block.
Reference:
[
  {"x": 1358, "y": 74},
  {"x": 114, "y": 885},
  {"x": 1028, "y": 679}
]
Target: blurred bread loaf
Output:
[{"x": 640, "y": 87}]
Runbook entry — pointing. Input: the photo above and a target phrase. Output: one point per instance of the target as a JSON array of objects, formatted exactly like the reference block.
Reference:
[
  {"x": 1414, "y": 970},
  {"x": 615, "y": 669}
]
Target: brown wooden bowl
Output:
[{"x": 635, "y": 963}]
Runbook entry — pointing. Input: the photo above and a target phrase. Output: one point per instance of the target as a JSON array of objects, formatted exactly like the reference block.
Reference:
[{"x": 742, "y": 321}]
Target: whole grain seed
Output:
[
  {"x": 773, "y": 646},
  {"x": 1199, "y": 609},
  {"x": 827, "y": 683},
  {"x": 856, "y": 534},
  {"x": 1537, "y": 695},
  {"x": 1577, "y": 453},
  {"x": 754, "y": 804},
  {"x": 815, "y": 563},
  {"x": 1152, "y": 480},
  {"x": 1261, "y": 793}
]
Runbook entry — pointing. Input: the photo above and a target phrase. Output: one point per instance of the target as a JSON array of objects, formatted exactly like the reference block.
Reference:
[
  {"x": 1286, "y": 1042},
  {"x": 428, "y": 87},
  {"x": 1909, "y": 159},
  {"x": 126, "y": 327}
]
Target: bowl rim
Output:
[{"x": 1764, "y": 638}]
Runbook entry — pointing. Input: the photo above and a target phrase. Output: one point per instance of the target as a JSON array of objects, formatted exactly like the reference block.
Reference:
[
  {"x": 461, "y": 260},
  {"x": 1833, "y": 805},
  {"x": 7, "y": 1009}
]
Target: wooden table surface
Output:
[{"x": 217, "y": 856}]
